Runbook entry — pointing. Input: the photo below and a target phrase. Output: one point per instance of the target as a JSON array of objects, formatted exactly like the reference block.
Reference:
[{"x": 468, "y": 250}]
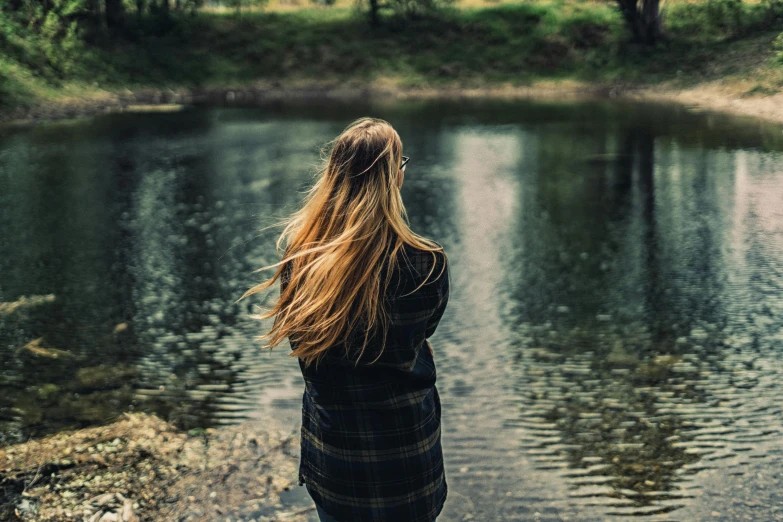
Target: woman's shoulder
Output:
[{"x": 420, "y": 262}]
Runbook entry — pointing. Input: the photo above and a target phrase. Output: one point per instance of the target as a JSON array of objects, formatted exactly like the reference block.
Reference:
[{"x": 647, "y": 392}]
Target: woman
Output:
[{"x": 360, "y": 293}]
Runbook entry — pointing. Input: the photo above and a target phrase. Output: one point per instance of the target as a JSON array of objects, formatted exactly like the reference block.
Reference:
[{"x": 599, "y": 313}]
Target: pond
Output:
[{"x": 613, "y": 346}]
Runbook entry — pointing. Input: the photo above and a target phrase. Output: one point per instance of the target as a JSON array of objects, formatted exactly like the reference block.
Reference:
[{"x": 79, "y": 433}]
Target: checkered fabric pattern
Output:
[{"x": 371, "y": 434}]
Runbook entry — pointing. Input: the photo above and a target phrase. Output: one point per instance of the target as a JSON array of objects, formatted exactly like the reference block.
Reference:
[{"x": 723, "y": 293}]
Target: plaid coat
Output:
[{"x": 371, "y": 435}]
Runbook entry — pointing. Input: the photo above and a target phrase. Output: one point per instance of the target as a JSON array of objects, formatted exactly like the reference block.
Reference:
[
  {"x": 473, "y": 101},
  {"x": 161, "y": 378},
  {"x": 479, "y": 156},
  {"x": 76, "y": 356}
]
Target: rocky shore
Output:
[
  {"x": 141, "y": 468},
  {"x": 711, "y": 96}
]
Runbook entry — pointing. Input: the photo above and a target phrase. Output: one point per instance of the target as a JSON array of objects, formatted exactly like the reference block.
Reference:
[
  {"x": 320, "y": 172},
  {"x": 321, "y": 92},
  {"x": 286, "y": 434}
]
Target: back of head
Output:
[{"x": 342, "y": 245}]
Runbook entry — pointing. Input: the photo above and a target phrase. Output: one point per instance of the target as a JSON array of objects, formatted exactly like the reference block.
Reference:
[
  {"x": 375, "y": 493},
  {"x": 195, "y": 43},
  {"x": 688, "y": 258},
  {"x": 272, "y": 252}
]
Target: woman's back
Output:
[
  {"x": 370, "y": 438},
  {"x": 357, "y": 320}
]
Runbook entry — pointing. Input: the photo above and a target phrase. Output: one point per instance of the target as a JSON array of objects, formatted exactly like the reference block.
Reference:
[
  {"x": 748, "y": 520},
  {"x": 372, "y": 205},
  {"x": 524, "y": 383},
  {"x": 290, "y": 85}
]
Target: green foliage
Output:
[
  {"x": 777, "y": 46},
  {"x": 725, "y": 15},
  {"x": 714, "y": 20},
  {"x": 418, "y": 8},
  {"x": 61, "y": 38},
  {"x": 239, "y": 4},
  {"x": 47, "y": 36},
  {"x": 416, "y": 44},
  {"x": 12, "y": 92},
  {"x": 773, "y": 10},
  {"x": 192, "y": 5},
  {"x": 402, "y": 9},
  {"x": 584, "y": 32}
]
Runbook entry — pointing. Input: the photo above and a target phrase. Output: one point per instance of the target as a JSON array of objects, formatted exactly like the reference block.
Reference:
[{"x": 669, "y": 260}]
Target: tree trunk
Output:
[
  {"x": 651, "y": 20},
  {"x": 94, "y": 7},
  {"x": 374, "y": 12},
  {"x": 115, "y": 14},
  {"x": 643, "y": 20}
]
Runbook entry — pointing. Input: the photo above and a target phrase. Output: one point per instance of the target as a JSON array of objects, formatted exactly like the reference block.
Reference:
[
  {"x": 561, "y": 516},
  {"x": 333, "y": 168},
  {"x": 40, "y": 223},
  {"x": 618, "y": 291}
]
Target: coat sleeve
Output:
[{"x": 442, "y": 296}]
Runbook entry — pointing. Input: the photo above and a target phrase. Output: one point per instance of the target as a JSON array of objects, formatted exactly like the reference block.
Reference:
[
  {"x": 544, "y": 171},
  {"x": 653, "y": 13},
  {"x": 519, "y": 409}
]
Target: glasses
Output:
[{"x": 404, "y": 162}]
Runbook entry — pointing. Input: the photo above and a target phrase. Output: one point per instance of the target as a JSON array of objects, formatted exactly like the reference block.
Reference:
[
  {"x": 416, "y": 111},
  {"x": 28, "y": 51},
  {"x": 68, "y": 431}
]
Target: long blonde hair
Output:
[{"x": 347, "y": 233}]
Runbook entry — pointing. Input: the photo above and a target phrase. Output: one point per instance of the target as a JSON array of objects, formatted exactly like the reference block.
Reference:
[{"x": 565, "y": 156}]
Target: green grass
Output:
[
  {"x": 513, "y": 42},
  {"x": 469, "y": 47},
  {"x": 19, "y": 87}
]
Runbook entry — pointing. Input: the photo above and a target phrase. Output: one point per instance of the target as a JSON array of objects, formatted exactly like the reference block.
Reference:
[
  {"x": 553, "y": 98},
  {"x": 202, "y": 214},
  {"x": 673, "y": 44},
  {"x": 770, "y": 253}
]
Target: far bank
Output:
[
  {"x": 708, "y": 96},
  {"x": 711, "y": 56}
]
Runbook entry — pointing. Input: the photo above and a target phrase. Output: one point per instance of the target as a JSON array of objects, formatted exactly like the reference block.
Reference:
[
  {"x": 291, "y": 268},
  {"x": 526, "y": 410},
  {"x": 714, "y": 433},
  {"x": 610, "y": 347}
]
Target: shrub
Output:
[
  {"x": 417, "y": 8},
  {"x": 720, "y": 19},
  {"x": 584, "y": 33},
  {"x": 777, "y": 45},
  {"x": 725, "y": 15},
  {"x": 239, "y": 4},
  {"x": 45, "y": 36},
  {"x": 713, "y": 19},
  {"x": 773, "y": 10}
]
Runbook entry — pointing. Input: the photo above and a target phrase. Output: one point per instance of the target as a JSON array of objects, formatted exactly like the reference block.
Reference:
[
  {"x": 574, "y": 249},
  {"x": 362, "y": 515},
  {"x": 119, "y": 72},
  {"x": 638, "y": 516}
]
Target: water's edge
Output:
[{"x": 700, "y": 97}]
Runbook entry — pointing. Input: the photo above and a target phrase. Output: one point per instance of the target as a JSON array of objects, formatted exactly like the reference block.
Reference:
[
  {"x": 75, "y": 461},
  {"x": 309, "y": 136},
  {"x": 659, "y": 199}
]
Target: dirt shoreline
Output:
[
  {"x": 142, "y": 469},
  {"x": 711, "y": 96}
]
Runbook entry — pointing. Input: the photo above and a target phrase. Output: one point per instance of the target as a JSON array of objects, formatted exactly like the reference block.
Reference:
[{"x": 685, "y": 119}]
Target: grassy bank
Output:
[{"x": 508, "y": 44}]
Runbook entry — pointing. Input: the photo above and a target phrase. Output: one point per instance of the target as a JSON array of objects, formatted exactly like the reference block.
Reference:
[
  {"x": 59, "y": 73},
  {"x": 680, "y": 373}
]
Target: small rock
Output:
[
  {"x": 102, "y": 500},
  {"x": 120, "y": 328},
  {"x": 127, "y": 512},
  {"x": 25, "y": 505}
]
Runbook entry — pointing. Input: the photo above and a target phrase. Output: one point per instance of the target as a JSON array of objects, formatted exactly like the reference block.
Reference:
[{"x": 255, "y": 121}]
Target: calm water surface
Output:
[{"x": 613, "y": 347}]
